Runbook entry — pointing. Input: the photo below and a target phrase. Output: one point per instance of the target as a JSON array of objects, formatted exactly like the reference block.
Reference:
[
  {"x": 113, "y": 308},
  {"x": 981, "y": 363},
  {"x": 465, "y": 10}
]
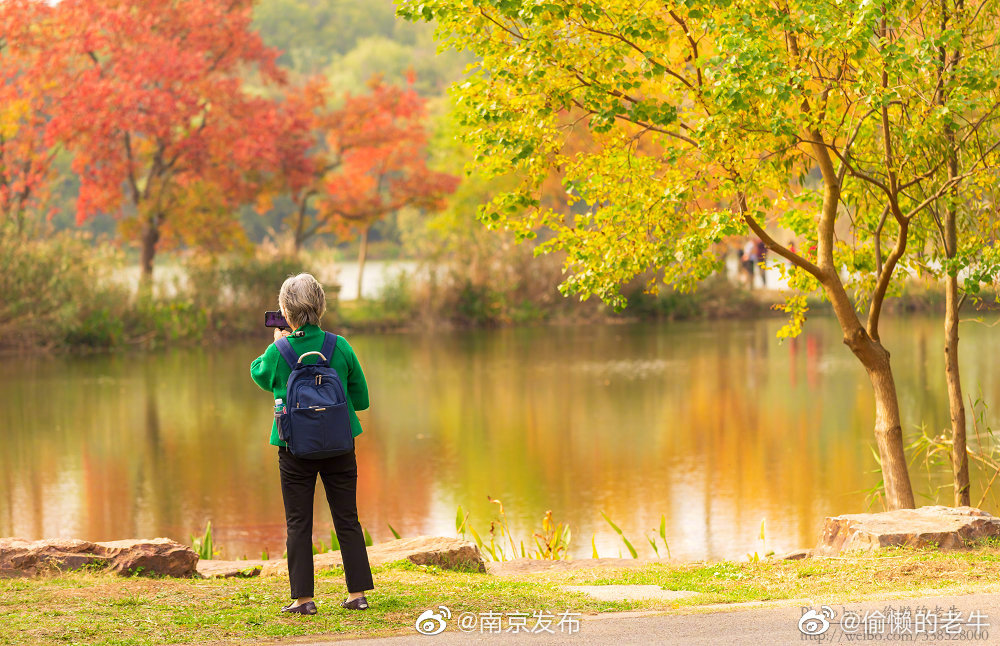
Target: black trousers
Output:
[{"x": 298, "y": 487}]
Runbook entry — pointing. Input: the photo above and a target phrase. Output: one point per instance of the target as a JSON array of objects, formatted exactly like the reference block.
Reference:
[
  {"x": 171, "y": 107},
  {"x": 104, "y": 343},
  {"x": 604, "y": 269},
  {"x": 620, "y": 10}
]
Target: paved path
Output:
[{"x": 752, "y": 627}]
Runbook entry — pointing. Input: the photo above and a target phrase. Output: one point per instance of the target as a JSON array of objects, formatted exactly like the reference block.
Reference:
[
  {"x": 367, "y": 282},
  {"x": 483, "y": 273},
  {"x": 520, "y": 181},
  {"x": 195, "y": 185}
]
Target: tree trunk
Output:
[
  {"x": 362, "y": 254},
  {"x": 866, "y": 346},
  {"x": 875, "y": 358},
  {"x": 888, "y": 429},
  {"x": 150, "y": 236},
  {"x": 959, "y": 456},
  {"x": 300, "y": 224}
]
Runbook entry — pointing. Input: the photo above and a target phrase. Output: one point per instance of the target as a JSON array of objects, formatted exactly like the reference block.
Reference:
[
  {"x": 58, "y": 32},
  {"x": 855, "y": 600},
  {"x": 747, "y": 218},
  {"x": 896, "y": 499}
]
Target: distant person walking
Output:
[
  {"x": 760, "y": 256},
  {"x": 748, "y": 260},
  {"x": 302, "y": 303}
]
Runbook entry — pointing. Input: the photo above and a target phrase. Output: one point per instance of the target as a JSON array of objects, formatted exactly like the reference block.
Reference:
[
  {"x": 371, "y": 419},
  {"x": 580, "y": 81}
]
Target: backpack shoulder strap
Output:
[
  {"x": 287, "y": 353},
  {"x": 329, "y": 344}
]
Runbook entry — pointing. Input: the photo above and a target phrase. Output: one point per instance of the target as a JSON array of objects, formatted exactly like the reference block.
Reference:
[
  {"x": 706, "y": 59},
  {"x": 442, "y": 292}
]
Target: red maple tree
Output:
[
  {"x": 27, "y": 101},
  {"x": 369, "y": 160},
  {"x": 157, "y": 117}
]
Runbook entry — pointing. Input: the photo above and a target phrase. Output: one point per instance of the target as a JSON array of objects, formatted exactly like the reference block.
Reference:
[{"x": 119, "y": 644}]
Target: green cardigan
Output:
[{"x": 270, "y": 371}]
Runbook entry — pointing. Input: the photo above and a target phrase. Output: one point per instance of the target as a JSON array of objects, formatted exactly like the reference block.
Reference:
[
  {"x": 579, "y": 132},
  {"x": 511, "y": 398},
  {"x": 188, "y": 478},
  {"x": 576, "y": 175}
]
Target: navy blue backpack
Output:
[{"x": 316, "y": 423}]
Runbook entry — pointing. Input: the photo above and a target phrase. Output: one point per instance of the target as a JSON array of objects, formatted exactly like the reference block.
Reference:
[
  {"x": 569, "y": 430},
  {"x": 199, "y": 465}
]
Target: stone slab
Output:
[
  {"x": 629, "y": 592},
  {"x": 442, "y": 551},
  {"x": 215, "y": 569},
  {"x": 159, "y": 556},
  {"x": 943, "y": 527}
]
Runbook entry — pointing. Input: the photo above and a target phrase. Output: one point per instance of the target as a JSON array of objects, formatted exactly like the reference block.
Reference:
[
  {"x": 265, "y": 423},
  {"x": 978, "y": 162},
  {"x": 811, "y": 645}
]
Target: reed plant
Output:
[
  {"x": 322, "y": 548},
  {"x": 334, "y": 546},
  {"x": 618, "y": 530},
  {"x": 203, "y": 545},
  {"x": 551, "y": 543},
  {"x": 628, "y": 544},
  {"x": 663, "y": 537},
  {"x": 933, "y": 450},
  {"x": 761, "y": 552}
]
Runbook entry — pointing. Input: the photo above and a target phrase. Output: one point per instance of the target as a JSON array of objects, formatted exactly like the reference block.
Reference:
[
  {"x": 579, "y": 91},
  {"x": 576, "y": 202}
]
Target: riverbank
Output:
[
  {"x": 396, "y": 310},
  {"x": 67, "y": 292},
  {"x": 96, "y": 608},
  {"x": 226, "y": 303}
]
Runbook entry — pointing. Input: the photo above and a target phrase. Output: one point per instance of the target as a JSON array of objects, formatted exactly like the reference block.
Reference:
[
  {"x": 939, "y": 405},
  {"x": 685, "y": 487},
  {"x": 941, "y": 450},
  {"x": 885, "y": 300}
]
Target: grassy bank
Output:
[
  {"x": 98, "y": 608},
  {"x": 409, "y": 305},
  {"x": 69, "y": 290}
]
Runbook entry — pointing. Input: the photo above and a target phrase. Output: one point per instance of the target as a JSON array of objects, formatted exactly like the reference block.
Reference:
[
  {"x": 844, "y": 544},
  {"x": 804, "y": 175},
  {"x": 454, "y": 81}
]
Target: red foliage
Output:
[
  {"x": 369, "y": 159},
  {"x": 149, "y": 96},
  {"x": 154, "y": 102},
  {"x": 383, "y": 141},
  {"x": 26, "y": 104}
]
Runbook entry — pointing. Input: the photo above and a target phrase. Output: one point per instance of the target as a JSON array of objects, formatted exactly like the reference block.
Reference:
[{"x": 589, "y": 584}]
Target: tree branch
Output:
[
  {"x": 885, "y": 276},
  {"x": 774, "y": 245}
]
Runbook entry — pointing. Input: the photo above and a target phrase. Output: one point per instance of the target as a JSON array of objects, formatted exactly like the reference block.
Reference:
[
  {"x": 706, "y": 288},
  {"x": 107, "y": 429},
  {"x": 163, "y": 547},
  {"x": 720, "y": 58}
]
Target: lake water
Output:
[{"x": 715, "y": 425}]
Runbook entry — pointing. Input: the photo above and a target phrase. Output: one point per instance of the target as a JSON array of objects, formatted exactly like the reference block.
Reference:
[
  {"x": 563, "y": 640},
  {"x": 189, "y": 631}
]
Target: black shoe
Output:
[
  {"x": 307, "y": 608},
  {"x": 355, "y": 604}
]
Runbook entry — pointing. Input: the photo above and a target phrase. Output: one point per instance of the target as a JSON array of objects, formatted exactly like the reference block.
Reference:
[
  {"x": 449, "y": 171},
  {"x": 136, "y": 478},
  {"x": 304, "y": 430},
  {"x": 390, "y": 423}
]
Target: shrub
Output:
[
  {"x": 58, "y": 290},
  {"x": 716, "y": 297},
  {"x": 66, "y": 288},
  {"x": 233, "y": 292}
]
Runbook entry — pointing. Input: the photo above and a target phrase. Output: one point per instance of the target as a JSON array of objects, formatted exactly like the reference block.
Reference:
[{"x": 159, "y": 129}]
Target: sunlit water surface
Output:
[{"x": 717, "y": 426}]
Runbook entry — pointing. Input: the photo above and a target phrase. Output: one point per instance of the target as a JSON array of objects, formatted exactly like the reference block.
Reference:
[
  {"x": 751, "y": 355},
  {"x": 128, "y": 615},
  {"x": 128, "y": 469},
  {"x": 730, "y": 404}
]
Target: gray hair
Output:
[{"x": 302, "y": 300}]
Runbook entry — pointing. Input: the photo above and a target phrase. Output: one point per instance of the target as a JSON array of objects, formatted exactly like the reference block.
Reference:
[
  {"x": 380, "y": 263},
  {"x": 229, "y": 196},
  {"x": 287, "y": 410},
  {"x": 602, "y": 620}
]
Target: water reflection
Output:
[{"x": 716, "y": 425}]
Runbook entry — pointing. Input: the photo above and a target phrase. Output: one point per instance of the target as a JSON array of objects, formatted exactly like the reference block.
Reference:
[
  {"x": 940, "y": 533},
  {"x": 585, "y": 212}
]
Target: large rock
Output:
[
  {"x": 945, "y": 527},
  {"x": 213, "y": 569},
  {"x": 444, "y": 552},
  {"x": 160, "y": 556}
]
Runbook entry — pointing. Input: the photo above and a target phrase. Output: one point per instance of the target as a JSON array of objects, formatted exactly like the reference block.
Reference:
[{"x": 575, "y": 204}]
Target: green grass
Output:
[
  {"x": 892, "y": 572},
  {"x": 104, "y": 609},
  {"x": 97, "y": 608}
]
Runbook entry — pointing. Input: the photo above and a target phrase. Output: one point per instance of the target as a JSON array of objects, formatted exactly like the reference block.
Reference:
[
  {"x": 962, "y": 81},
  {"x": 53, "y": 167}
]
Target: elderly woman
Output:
[{"x": 302, "y": 303}]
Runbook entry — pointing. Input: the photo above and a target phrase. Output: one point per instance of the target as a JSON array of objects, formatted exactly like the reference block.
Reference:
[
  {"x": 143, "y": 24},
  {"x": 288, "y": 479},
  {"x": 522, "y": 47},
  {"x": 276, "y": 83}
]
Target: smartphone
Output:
[{"x": 275, "y": 319}]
